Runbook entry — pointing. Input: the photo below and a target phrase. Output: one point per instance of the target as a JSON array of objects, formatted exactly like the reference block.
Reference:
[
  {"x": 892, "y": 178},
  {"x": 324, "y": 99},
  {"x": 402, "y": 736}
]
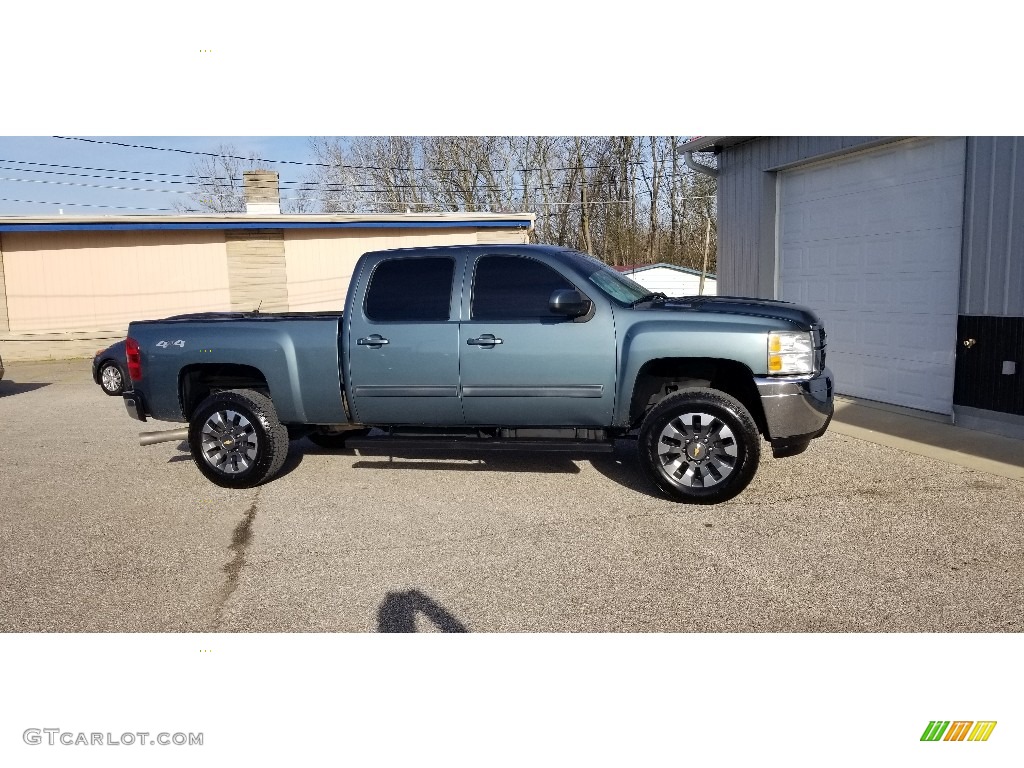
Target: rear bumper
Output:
[
  {"x": 134, "y": 404},
  {"x": 797, "y": 409}
]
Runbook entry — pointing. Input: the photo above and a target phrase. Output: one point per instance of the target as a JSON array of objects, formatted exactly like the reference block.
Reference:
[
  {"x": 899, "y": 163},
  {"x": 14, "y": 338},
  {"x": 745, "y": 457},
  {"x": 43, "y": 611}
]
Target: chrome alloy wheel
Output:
[
  {"x": 111, "y": 379},
  {"x": 697, "y": 450},
  {"x": 229, "y": 440}
]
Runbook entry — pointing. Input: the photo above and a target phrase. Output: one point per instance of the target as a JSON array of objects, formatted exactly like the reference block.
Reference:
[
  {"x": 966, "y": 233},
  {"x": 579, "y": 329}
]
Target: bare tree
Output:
[
  {"x": 218, "y": 182},
  {"x": 622, "y": 198}
]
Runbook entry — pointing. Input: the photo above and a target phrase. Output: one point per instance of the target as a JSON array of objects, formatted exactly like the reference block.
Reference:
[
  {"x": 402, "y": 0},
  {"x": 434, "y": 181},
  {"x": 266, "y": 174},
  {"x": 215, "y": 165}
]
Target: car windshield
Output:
[{"x": 612, "y": 283}]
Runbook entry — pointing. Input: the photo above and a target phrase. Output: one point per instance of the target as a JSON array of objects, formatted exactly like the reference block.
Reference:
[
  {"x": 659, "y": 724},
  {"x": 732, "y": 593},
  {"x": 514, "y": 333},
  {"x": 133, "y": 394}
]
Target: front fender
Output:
[{"x": 743, "y": 342}]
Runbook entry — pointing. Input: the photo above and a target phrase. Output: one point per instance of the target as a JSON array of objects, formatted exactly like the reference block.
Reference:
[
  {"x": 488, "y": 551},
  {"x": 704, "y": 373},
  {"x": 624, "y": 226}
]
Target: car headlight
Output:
[{"x": 790, "y": 352}]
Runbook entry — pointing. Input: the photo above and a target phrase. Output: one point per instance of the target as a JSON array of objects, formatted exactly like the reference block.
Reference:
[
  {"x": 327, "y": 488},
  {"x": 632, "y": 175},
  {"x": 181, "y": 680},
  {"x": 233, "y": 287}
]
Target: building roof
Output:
[
  {"x": 629, "y": 268},
  {"x": 266, "y": 221},
  {"x": 709, "y": 143}
]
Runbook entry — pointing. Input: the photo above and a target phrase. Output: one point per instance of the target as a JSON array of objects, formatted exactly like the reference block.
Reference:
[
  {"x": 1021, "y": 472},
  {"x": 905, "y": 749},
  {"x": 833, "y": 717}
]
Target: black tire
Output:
[
  {"x": 700, "y": 446},
  {"x": 113, "y": 378},
  {"x": 335, "y": 441},
  {"x": 220, "y": 425}
]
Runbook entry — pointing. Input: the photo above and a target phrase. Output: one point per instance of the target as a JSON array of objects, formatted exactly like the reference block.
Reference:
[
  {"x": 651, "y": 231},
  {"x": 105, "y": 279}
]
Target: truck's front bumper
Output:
[
  {"x": 134, "y": 405},
  {"x": 797, "y": 409}
]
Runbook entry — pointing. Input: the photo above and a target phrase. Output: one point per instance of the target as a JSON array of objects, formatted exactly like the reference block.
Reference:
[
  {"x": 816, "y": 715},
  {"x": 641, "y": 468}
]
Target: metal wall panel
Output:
[
  {"x": 992, "y": 246},
  {"x": 746, "y": 205},
  {"x": 992, "y": 275}
]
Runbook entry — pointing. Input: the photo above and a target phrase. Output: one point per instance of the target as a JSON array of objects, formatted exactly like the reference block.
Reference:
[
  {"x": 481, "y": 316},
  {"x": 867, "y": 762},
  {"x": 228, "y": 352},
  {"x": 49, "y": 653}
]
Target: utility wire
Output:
[
  {"x": 615, "y": 166},
  {"x": 239, "y": 190},
  {"x": 138, "y": 176},
  {"x": 99, "y": 186},
  {"x": 83, "y": 205},
  {"x": 308, "y": 186},
  {"x": 189, "y": 151},
  {"x": 88, "y": 168}
]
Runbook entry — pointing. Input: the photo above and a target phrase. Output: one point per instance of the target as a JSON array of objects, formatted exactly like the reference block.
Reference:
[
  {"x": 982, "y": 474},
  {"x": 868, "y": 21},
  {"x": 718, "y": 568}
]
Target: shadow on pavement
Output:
[
  {"x": 290, "y": 464},
  {"x": 14, "y": 388},
  {"x": 623, "y": 467},
  {"x": 935, "y": 434},
  {"x": 185, "y": 454},
  {"x": 398, "y": 613}
]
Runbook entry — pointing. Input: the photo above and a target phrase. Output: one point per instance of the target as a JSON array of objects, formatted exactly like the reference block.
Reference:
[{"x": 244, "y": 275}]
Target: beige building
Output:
[{"x": 70, "y": 285}]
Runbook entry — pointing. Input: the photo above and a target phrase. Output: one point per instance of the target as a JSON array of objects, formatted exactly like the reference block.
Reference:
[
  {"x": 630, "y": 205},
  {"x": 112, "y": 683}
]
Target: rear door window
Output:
[{"x": 410, "y": 290}]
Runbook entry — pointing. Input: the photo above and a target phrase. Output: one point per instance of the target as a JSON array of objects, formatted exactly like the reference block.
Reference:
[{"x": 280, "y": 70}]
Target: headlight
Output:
[{"x": 790, "y": 352}]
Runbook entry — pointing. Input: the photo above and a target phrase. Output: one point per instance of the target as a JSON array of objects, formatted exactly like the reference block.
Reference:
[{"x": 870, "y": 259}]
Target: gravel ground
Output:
[{"x": 99, "y": 534}]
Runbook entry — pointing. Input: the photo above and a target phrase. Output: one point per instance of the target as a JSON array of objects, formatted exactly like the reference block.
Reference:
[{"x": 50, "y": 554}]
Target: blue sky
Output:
[{"x": 29, "y": 172}]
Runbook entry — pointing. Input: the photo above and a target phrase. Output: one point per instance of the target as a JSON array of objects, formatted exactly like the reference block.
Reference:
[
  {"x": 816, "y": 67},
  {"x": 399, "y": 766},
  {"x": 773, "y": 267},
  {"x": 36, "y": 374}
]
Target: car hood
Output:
[{"x": 741, "y": 305}]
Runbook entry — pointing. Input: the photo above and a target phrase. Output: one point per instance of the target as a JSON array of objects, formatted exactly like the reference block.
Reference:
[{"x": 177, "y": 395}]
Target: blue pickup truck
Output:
[{"x": 492, "y": 347}]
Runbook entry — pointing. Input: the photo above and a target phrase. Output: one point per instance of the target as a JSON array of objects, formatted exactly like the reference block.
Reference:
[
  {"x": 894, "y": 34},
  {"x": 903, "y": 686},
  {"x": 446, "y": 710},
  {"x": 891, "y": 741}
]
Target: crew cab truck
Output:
[{"x": 493, "y": 347}]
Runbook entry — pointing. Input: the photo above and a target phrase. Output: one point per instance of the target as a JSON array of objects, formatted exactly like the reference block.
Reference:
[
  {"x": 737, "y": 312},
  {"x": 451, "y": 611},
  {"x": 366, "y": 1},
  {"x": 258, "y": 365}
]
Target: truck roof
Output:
[{"x": 433, "y": 249}]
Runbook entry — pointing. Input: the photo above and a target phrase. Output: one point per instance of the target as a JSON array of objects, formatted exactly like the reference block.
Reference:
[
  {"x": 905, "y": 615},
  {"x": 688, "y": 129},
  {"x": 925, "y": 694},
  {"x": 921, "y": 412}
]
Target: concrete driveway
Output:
[{"x": 98, "y": 534}]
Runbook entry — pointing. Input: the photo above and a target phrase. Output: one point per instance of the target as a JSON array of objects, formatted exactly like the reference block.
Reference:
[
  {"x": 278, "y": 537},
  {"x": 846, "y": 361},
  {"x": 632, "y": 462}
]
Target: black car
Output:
[{"x": 110, "y": 369}]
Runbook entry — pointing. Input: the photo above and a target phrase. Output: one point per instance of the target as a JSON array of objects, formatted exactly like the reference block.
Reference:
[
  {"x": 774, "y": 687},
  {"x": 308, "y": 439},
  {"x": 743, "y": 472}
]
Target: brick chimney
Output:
[{"x": 262, "y": 195}]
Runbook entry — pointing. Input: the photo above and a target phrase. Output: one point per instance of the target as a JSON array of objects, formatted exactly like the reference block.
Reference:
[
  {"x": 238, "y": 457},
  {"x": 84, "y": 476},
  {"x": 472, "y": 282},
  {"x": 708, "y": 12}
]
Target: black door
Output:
[{"x": 990, "y": 363}]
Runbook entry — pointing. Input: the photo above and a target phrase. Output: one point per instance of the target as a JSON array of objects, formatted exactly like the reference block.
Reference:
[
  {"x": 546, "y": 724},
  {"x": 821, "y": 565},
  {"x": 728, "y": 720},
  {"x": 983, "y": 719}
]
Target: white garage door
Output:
[{"x": 871, "y": 241}]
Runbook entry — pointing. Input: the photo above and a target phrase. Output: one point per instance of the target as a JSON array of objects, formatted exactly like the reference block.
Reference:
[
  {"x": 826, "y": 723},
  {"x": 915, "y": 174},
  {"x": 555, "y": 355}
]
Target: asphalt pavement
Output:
[{"x": 99, "y": 534}]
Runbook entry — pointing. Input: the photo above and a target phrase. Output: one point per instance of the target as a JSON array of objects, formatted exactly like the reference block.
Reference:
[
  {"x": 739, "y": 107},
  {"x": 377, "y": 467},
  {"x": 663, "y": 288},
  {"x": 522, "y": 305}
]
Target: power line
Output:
[
  {"x": 309, "y": 185},
  {"x": 188, "y": 151},
  {"x": 83, "y": 205},
  {"x": 99, "y": 186},
  {"x": 201, "y": 177},
  {"x": 615, "y": 166},
  {"x": 88, "y": 168},
  {"x": 358, "y": 188},
  {"x": 138, "y": 176},
  {"x": 351, "y": 193},
  {"x": 239, "y": 179}
]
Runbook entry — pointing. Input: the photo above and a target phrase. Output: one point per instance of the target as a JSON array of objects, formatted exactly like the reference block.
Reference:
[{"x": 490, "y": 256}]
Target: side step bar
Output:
[{"x": 411, "y": 446}]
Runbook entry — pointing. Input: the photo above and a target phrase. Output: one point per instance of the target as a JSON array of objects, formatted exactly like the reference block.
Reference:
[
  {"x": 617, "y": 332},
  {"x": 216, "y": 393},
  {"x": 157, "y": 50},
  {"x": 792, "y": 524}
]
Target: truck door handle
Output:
[
  {"x": 487, "y": 340},
  {"x": 374, "y": 341}
]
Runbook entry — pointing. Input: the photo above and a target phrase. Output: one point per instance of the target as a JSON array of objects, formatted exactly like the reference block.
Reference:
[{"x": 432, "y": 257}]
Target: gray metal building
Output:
[{"x": 911, "y": 249}]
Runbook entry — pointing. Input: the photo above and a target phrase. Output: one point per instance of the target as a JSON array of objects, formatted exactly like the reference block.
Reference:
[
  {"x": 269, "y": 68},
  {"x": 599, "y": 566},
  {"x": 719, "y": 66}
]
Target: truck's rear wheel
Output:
[
  {"x": 700, "y": 445},
  {"x": 236, "y": 438}
]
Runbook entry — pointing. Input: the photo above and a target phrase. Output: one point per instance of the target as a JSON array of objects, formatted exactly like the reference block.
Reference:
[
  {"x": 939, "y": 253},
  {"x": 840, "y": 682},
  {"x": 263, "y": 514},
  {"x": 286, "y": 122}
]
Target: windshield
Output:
[
  {"x": 618, "y": 286},
  {"x": 614, "y": 284}
]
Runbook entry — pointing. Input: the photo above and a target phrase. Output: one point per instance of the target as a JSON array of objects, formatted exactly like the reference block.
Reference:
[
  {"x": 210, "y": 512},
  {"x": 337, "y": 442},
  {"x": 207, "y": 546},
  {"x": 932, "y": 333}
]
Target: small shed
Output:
[{"x": 671, "y": 279}]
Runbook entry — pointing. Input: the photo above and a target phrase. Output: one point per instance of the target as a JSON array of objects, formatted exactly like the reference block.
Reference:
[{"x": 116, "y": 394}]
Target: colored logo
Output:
[{"x": 958, "y": 730}]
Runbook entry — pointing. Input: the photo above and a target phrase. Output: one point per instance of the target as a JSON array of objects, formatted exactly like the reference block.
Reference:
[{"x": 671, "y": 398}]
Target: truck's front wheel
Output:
[
  {"x": 236, "y": 438},
  {"x": 699, "y": 445}
]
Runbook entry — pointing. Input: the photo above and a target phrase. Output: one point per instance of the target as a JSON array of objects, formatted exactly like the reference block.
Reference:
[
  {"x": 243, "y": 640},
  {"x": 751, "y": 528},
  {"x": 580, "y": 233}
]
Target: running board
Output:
[{"x": 413, "y": 445}]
